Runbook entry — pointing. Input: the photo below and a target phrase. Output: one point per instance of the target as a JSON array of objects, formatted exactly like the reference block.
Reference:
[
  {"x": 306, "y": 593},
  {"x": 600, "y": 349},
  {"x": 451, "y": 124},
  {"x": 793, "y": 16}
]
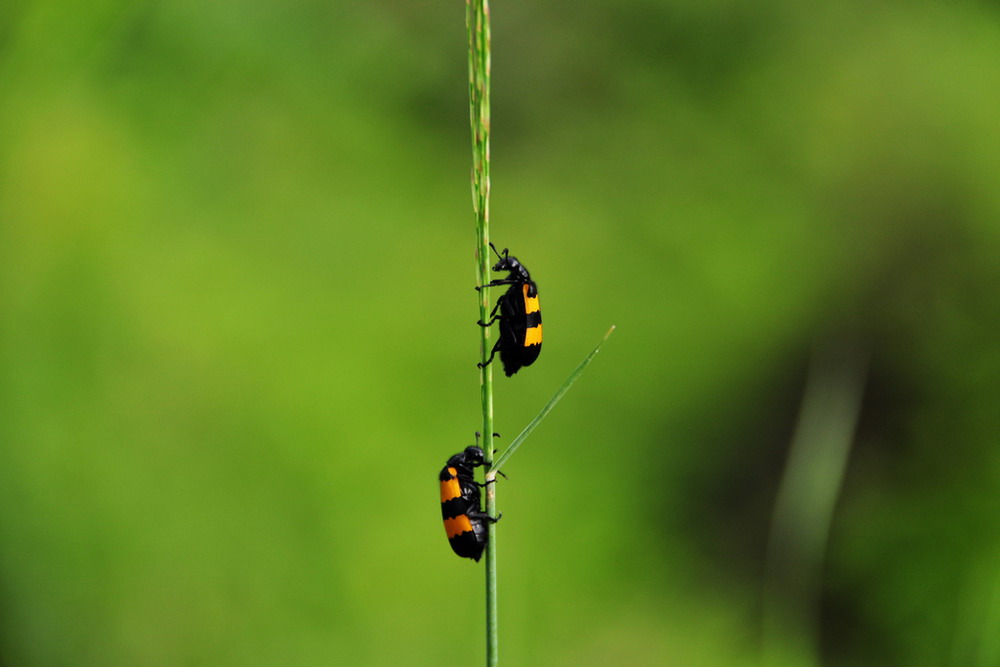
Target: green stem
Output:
[
  {"x": 807, "y": 495},
  {"x": 477, "y": 20}
]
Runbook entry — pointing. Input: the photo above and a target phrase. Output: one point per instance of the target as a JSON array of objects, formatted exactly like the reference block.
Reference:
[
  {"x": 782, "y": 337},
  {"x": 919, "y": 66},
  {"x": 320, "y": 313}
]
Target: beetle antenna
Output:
[{"x": 501, "y": 258}]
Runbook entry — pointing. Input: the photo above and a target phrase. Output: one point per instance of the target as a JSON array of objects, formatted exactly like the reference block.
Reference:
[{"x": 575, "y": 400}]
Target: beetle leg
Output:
[
  {"x": 498, "y": 282},
  {"x": 493, "y": 313},
  {"x": 492, "y": 481},
  {"x": 492, "y": 354}
]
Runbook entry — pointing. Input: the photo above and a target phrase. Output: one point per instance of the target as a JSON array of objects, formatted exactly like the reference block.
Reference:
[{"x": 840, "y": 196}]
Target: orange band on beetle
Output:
[
  {"x": 457, "y": 526},
  {"x": 533, "y": 336},
  {"x": 451, "y": 489}
]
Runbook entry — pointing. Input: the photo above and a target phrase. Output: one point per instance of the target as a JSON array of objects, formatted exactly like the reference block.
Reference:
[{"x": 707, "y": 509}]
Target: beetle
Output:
[
  {"x": 464, "y": 520},
  {"x": 520, "y": 316}
]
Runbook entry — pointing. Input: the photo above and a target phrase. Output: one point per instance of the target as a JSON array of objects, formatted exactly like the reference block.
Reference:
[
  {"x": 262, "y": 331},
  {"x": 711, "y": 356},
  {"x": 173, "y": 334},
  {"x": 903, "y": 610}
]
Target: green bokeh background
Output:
[{"x": 237, "y": 334}]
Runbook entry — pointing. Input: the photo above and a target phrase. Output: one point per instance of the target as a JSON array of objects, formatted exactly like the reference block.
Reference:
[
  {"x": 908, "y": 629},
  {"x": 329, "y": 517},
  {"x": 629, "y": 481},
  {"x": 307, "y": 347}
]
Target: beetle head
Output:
[
  {"x": 506, "y": 262},
  {"x": 474, "y": 456}
]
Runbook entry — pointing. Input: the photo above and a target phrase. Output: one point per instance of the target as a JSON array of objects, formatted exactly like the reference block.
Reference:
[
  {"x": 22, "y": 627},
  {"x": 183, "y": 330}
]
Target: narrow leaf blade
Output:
[{"x": 548, "y": 406}]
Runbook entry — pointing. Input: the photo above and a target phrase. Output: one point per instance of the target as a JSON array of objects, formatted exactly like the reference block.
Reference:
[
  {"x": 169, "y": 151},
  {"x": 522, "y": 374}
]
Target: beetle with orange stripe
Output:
[
  {"x": 520, "y": 316},
  {"x": 464, "y": 520}
]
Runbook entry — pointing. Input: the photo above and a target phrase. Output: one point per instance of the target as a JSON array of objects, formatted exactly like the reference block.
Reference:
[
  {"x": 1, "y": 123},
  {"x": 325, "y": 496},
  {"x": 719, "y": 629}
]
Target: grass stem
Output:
[
  {"x": 803, "y": 511},
  {"x": 477, "y": 20}
]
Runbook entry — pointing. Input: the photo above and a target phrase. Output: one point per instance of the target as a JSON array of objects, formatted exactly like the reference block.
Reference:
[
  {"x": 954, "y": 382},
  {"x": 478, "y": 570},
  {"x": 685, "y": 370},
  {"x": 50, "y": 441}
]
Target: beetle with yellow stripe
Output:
[
  {"x": 464, "y": 520},
  {"x": 520, "y": 316}
]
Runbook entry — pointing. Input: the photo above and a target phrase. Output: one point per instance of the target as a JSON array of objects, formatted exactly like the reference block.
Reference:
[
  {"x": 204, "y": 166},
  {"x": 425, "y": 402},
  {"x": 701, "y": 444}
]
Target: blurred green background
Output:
[{"x": 237, "y": 336}]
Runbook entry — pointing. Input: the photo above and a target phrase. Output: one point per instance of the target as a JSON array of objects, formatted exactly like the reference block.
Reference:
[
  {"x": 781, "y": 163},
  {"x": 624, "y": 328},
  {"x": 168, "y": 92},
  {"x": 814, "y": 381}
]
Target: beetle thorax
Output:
[{"x": 517, "y": 270}]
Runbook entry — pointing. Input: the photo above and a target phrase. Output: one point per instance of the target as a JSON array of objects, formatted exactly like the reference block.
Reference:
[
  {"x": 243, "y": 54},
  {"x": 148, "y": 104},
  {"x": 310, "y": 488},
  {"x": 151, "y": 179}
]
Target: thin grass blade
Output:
[{"x": 548, "y": 406}]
